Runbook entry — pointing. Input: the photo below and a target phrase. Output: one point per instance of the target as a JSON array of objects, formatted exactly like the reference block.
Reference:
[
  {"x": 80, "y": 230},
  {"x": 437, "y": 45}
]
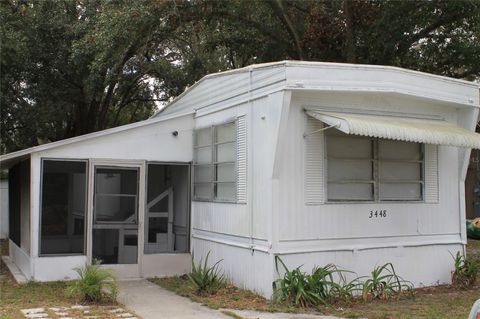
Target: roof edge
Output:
[
  {"x": 298, "y": 63},
  {"x": 81, "y": 138}
]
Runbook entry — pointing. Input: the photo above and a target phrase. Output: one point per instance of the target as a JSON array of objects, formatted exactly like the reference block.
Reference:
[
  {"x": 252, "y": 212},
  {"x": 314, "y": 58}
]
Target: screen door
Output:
[{"x": 115, "y": 215}]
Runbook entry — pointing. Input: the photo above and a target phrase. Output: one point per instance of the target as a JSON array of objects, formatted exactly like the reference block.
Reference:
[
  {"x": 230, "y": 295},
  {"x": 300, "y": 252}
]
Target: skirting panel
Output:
[
  {"x": 244, "y": 268},
  {"x": 422, "y": 265}
]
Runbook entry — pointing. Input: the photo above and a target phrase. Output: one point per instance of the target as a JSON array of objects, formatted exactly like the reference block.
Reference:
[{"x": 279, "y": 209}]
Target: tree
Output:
[{"x": 71, "y": 67}]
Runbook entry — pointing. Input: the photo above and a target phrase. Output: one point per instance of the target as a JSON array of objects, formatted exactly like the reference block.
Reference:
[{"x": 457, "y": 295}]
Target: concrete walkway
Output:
[{"x": 151, "y": 301}]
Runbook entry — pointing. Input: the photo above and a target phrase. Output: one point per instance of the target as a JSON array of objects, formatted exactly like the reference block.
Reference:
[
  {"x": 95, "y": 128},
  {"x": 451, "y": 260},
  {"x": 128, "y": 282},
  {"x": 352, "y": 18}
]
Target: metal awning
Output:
[{"x": 428, "y": 131}]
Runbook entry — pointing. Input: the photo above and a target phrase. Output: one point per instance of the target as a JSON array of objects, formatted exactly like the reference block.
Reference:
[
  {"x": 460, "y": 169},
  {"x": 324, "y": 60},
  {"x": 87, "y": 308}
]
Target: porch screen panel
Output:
[{"x": 63, "y": 207}]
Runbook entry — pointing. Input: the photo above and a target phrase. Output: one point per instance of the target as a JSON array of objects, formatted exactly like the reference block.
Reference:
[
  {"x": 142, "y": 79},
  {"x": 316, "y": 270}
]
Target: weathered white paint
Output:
[
  {"x": 162, "y": 265},
  {"x": 150, "y": 142},
  {"x": 431, "y": 173},
  {"x": 3, "y": 208},
  {"x": 35, "y": 182},
  {"x": 381, "y": 81},
  {"x": 139, "y": 144},
  {"x": 278, "y": 218},
  {"x": 245, "y": 268},
  {"x": 418, "y": 130},
  {"x": 57, "y": 268},
  {"x": 344, "y": 220},
  {"x": 21, "y": 258},
  {"x": 411, "y": 263}
]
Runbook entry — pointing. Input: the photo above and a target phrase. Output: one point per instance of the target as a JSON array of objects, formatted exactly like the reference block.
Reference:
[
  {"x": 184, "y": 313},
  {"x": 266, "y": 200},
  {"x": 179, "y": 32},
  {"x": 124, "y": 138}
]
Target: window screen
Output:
[
  {"x": 116, "y": 195},
  {"x": 368, "y": 169},
  {"x": 215, "y": 163},
  {"x": 63, "y": 195}
]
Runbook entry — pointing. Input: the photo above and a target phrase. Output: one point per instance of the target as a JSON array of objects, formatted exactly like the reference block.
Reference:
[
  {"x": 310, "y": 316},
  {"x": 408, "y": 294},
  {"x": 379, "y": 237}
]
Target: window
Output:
[
  {"x": 63, "y": 195},
  {"x": 371, "y": 169},
  {"x": 215, "y": 163}
]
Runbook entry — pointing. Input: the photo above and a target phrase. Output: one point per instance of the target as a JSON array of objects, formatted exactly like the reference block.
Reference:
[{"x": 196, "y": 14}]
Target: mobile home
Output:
[{"x": 317, "y": 163}]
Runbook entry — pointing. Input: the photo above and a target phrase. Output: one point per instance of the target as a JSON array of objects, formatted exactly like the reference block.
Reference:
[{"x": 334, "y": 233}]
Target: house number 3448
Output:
[{"x": 378, "y": 213}]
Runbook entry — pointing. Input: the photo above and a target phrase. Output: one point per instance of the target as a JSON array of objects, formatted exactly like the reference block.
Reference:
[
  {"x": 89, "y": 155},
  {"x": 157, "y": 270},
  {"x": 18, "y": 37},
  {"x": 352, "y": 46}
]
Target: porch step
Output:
[{"x": 16, "y": 273}]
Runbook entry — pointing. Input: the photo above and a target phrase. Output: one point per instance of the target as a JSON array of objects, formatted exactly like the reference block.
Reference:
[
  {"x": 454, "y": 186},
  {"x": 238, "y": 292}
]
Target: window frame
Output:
[
  {"x": 214, "y": 163},
  {"x": 376, "y": 181},
  {"x": 96, "y": 195},
  {"x": 85, "y": 227}
]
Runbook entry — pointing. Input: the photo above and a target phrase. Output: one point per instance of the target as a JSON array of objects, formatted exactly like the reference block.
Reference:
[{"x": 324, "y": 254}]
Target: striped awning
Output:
[{"x": 428, "y": 131}]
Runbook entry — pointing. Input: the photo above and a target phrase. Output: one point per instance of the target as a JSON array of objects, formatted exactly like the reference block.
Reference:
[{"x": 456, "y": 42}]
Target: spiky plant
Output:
[{"x": 95, "y": 283}]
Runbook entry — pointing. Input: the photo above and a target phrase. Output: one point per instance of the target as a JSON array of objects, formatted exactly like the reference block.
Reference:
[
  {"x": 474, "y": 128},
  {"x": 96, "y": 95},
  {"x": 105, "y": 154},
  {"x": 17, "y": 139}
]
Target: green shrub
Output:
[
  {"x": 384, "y": 283},
  {"x": 319, "y": 287},
  {"x": 95, "y": 283},
  {"x": 465, "y": 272},
  {"x": 206, "y": 279}
]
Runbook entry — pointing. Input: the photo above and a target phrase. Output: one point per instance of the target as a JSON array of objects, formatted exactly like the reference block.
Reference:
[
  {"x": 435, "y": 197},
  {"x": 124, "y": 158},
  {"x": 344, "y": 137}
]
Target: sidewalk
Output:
[{"x": 153, "y": 302}]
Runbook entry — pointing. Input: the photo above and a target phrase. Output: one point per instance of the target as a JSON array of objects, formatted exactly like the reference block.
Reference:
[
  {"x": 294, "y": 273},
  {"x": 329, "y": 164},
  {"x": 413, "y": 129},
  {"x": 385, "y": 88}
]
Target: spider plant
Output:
[
  {"x": 206, "y": 279},
  {"x": 383, "y": 283},
  {"x": 465, "y": 272},
  {"x": 303, "y": 289}
]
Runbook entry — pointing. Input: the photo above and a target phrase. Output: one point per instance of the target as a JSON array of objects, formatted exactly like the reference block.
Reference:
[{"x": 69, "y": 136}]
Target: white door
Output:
[{"x": 116, "y": 216}]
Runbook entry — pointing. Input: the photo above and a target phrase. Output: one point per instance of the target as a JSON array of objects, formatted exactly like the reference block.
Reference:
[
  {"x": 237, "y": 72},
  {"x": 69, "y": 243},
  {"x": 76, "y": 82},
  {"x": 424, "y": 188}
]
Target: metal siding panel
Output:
[
  {"x": 241, "y": 159},
  {"x": 298, "y": 221},
  {"x": 243, "y": 267},
  {"x": 431, "y": 173},
  {"x": 362, "y": 262},
  {"x": 314, "y": 163},
  {"x": 344, "y": 77}
]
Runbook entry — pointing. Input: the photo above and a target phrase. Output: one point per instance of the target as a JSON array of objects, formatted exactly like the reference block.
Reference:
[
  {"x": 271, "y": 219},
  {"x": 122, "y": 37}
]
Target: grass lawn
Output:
[
  {"x": 14, "y": 297},
  {"x": 438, "y": 302}
]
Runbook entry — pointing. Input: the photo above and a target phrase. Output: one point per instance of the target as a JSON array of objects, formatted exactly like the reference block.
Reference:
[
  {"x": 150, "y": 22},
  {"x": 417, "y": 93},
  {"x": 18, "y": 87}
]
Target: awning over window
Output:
[{"x": 426, "y": 131}]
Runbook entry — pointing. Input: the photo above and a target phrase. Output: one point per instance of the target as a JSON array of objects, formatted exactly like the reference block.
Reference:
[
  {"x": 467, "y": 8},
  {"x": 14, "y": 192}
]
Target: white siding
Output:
[
  {"x": 299, "y": 222},
  {"x": 402, "y": 258},
  {"x": 224, "y": 218},
  {"x": 381, "y": 80},
  {"x": 245, "y": 268},
  {"x": 153, "y": 142},
  {"x": 215, "y": 92},
  {"x": 57, "y": 268},
  {"x": 314, "y": 162},
  {"x": 21, "y": 258},
  {"x": 431, "y": 173},
  {"x": 241, "y": 159}
]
